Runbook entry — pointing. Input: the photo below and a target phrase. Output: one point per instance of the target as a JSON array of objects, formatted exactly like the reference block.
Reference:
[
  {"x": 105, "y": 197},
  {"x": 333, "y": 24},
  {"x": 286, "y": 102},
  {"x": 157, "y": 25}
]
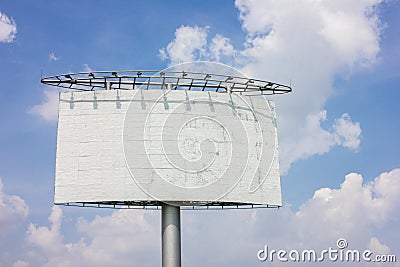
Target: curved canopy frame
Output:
[{"x": 166, "y": 80}]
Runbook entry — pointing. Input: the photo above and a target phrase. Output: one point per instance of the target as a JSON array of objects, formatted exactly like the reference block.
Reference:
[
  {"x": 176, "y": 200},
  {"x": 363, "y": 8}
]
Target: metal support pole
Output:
[{"x": 171, "y": 235}]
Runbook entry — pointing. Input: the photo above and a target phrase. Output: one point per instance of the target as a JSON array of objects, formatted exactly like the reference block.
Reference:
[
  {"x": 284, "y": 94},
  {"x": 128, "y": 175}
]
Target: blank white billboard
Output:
[{"x": 184, "y": 147}]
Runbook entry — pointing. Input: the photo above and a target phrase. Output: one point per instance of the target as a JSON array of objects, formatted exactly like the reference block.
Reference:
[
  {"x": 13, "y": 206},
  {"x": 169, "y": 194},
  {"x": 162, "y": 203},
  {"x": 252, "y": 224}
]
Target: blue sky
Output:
[{"x": 338, "y": 129}]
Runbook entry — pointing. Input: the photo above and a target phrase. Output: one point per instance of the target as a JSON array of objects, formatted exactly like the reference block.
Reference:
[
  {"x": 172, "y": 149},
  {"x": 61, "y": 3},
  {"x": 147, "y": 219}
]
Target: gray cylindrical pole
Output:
[{"x": 171, "y": 236}]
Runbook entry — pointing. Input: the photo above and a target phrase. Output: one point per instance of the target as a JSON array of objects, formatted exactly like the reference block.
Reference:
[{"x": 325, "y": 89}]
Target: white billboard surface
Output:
[{"x": 178, "y": 146}]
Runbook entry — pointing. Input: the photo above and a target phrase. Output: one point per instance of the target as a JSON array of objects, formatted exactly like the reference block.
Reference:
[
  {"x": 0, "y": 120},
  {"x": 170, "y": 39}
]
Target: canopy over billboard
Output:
[{"x": 143, "y": 147}]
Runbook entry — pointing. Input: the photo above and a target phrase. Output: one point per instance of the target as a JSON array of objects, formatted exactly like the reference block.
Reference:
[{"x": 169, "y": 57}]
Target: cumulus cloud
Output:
[
  {"x": 353, "y": 212},
  {"x": 8, "y": 28},
  {"x": 48, "y": 109},
  {"x": 48, "y": 239},
  {"x": 357, "y": 211},
  {"x": 308, "y": 43},
  {"x": 219, "y": 47},
  {"x": 351, "y": 32},
  {"x": 347, "y": 133},
  {"x": 317, "y": 141},
  {"x": 357, "y": 204},
  {"x": 13, "y": 212},
  {"x": 378, "y": 247},
  {"x": 119, "y": 239},
  {"x": 12, "y": 209},
  {"x": 191, "y": 44},
  {"x": 53, "y": 57},
  {"x": 188, "y": 45}
]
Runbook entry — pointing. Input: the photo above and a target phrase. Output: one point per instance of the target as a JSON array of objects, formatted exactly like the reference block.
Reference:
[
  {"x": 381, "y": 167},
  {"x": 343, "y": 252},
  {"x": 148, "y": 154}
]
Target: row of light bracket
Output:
[{"x": 149, "y": 79}]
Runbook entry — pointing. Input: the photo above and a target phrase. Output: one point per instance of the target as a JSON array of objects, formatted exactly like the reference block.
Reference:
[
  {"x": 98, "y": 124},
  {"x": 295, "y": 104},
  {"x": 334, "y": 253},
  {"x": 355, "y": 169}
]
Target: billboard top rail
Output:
[{"x": 164, "y": 80}]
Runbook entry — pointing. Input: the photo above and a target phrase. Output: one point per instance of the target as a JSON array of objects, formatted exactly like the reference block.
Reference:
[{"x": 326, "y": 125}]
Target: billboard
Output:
[{"x": 182, "y": 147}]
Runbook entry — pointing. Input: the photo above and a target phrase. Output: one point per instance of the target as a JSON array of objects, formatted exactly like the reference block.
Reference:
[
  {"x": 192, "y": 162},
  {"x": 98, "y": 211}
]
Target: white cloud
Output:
[
  {"x": 220, "y": 46},
  {"x": 120, "y": 239},
  {"x": 357, "y": 211},
  {"x": 48, "y": 109},
  {"x": 188, "y": 45},
  {"x": 354, "y": 212},
  {"x": 347, "y": 133},
  {"x": 314, "y": 140},
  {"x": 8, "y": 29},
  {"x": 53, "y": 57},
  {"x": 349, "y": 31},
  {"x": 308, "y": 42},
  {"x": 356, "y": 204},
  {"x": 12, "y": 210},
  {"x": 379, "y": 248},
  {"x": 191, "y": 44},
  {"x": 352, "y": 31},
  {"x": 48, "y": 239}
]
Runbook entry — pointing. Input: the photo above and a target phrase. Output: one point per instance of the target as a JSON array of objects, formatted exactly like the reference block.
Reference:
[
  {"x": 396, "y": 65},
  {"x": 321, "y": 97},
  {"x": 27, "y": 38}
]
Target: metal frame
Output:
[
  {"x": 167, "y": 80},
  {"x": 156, "y": 205}
]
